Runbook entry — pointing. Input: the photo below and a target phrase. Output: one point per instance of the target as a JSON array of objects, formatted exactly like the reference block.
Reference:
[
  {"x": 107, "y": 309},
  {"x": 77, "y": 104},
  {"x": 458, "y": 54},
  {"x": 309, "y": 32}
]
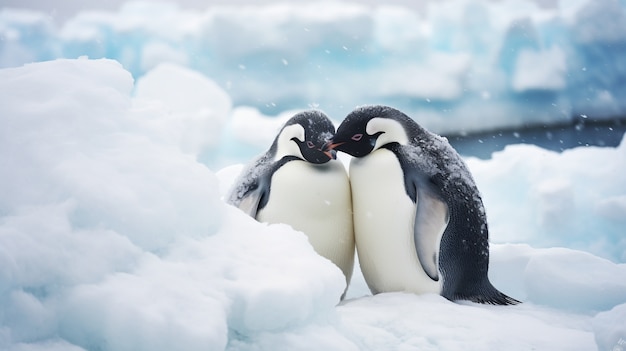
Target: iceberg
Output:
[{"x": 459, "y": 67}]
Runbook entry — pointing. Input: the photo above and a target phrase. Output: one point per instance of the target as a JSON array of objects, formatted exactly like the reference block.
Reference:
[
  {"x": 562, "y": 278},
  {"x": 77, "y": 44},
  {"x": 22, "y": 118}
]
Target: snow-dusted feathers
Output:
[
  {"x": 412, "y": 176},
  {"x": 392, "y": 131},
  {"x": 298, "y": 183},
  {"x": 301, "y": 138}
]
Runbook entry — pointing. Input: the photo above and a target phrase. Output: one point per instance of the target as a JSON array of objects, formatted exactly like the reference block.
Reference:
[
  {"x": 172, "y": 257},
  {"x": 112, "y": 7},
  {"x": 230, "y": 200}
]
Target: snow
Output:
[
  {"x": 114, "y": 236},
  {"x": 194, "y": 107},
  {"x": 435, "y": 60},
  {"x": 407, "y": 322},
  {"x": 609, "y": 329},
  {"x": 574, "y": 199},
  {"x": 113, "y": 230}
]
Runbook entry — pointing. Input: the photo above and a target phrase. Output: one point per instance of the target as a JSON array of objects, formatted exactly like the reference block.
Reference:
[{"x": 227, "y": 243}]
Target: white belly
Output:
[
  {"x": 315, "y": 199},
  {"x": 383, "y": 224}
]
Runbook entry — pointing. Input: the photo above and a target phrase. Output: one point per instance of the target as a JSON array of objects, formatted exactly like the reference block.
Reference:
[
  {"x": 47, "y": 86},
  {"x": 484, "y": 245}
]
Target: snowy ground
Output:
[{"x": 113, "y": 235}]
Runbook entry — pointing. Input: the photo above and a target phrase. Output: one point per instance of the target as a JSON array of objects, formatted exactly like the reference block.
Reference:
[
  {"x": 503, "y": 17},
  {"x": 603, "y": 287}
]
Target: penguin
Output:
[
  {"x": 419, "y": 221},
  {"x": 297, "y": 183}
]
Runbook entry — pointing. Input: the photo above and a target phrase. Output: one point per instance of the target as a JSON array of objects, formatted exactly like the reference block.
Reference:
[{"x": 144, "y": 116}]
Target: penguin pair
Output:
[{"x": 418, "y": 219}]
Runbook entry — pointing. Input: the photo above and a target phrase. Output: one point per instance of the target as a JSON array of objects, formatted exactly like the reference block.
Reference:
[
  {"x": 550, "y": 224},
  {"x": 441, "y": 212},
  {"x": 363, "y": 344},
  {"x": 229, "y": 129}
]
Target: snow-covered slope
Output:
[{"x": 113, "y": 236}]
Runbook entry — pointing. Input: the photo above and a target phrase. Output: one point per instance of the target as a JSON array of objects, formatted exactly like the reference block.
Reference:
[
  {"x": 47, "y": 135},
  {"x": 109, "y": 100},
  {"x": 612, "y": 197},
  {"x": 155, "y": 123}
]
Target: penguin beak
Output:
[
  {"x": 331, "y": 146},
  {"x": 329, "y": 149},
  {"x": 332, "y": 154}
]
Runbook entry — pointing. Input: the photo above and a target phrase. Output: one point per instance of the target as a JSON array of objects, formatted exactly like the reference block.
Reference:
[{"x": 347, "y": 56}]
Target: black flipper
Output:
[
  {"x": 251, "y": 191},
  {"x": 437, "y": 225},
  {"x": 250, "y": 203},
  {"x": 464, "y": 255}
]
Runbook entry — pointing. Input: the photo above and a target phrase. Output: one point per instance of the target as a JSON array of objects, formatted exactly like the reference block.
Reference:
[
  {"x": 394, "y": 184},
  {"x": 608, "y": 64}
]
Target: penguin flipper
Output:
[
  {"x": 250, "y": 194},
  {"x": 250, "y": 203},
  {"x": 431, "y": 219}
]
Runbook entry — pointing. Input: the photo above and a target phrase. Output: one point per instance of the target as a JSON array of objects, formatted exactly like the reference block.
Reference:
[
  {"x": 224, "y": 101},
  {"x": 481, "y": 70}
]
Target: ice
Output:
[
  {"x": 74, "y": 145},
  {"x": 187, "y": 107},
  {"x": 573, "y": 280},
  {"x": 113, "y": 234},
  {"x": 105, "y": 227},
  {"x": 540, "y": 71},
  {"x": 610, "y": 13},
  {"x": 234, "y": 282},
  {"x": 436, "y": 61},
  {"x": 398, "y": 321},
  {"x": 27, "y": 36},
  {"x": 609, "y": 328},
  {"x": 573, "y": 199}
]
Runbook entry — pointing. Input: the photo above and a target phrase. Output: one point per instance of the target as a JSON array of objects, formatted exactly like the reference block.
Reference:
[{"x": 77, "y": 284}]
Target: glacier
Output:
[{"x": 460, "y": 66}]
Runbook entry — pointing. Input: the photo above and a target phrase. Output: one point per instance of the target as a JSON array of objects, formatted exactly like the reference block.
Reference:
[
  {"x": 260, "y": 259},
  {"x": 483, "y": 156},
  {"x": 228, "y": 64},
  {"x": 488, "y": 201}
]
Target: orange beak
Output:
[
  {"x": 328, "y": 149},
  {"x": 332, "y": 154},
  {"x": 331, "y": 146}
]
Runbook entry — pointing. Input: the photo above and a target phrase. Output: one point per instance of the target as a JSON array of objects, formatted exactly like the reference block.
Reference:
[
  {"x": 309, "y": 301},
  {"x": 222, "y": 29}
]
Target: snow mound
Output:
[
  {"x": 398, "y": 321},
  {"x": 610, "y": 329},
  {"x": 106, "y": 228},
  {"x": 188, "y": 107},
  {"x": 561, "y": 278},
  {"x": 574, "y": 199},
  {"x": 113, "y": 237}
]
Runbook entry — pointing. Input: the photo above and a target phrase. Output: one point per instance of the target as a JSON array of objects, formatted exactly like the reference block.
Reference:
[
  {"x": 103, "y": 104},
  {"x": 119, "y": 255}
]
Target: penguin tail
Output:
[
  {"x": 494, "y": 297},
  {"x": 486, "y": 294}
]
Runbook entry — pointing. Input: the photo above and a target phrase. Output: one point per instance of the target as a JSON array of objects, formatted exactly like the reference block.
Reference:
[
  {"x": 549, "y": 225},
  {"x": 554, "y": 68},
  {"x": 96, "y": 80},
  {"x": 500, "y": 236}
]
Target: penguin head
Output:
[
  {"x": 369, "y": 128},
  {"x": 303, "y": 136}
]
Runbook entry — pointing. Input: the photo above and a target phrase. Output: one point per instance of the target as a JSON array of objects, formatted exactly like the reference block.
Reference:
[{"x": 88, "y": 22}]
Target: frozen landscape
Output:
[
  {"x": 462, "y": 65},
  {"x": 114, "y": 235}
]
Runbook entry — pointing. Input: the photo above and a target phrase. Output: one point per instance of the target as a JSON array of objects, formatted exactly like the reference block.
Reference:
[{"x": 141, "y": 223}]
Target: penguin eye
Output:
[
  {"x": 357, "y": 137},
  {"x": 310, "y": 144}
]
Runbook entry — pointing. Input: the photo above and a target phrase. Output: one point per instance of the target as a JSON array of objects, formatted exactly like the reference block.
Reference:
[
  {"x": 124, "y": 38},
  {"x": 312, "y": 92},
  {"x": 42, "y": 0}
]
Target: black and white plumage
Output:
[
  {"x": 420, "y": 223},
  {"x": 297, "y": 183}
]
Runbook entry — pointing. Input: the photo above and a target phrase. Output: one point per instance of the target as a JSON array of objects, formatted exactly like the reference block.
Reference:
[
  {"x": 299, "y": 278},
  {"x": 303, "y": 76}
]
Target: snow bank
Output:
[
  {"x": 558, "y": 277},
  {"x": 245, "y": 279},
  {"x": 610, "y": 329},
  {"x": 69, "y": 137},
  {"x": 184, "y": 106},
  {"x": 399, "y": 321},
  {"x": 573, "y": 199},
  {"x": 462, "y": 66},
  {"x": 113, "y": 236}
]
